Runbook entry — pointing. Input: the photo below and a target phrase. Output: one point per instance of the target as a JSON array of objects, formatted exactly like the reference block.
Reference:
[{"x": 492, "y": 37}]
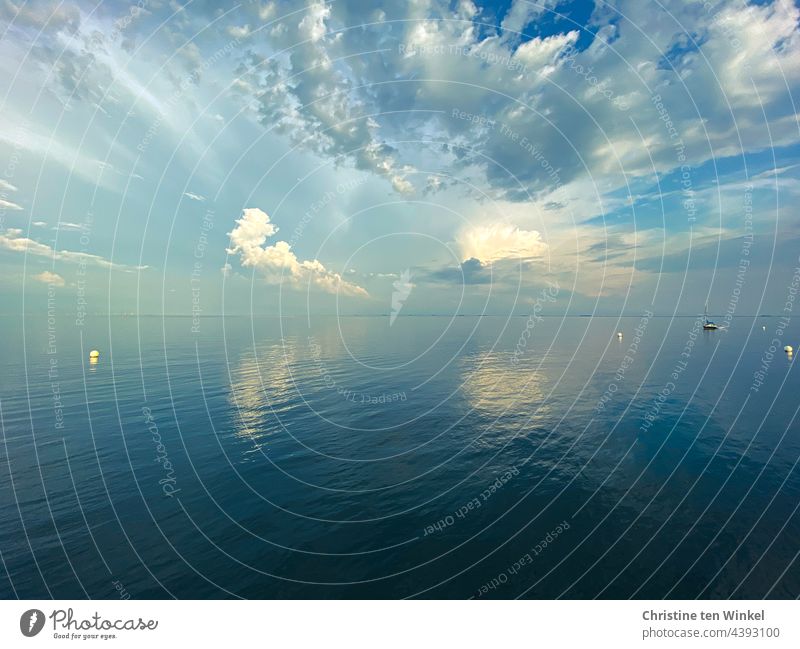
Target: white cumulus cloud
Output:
[
  {"x": 277, "y": 262},
  {"x": 490, "y": 243}
]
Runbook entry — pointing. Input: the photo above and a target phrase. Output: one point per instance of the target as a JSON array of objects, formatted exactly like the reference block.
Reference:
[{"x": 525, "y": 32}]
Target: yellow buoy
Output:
[
  {"x": 94, "y": 354},
  {"x": 788, "y": 349}
]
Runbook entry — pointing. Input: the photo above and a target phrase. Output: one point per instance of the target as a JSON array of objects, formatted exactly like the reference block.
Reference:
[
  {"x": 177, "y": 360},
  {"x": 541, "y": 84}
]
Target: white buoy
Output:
[
  {"x": 788, "y": 349},
  {"x": 619, "y": 334},
  {"x": 94, "y": 354},
  {"x": 763, "y": 328}
]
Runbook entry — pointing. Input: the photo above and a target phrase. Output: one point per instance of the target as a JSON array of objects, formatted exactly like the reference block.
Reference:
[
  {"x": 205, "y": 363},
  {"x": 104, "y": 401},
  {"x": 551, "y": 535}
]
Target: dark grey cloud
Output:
[{"x": 471, "y": 271}]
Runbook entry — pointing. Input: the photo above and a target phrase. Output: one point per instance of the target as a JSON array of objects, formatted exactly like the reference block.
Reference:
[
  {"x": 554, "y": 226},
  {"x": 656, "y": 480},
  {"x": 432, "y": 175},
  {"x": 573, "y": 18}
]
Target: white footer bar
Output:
[{"x": 382, "y": 624}]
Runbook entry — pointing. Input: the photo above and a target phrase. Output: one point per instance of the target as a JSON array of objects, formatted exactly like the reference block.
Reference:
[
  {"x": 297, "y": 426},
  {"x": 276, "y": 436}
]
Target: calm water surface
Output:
[{"x": 437, "y": 457}]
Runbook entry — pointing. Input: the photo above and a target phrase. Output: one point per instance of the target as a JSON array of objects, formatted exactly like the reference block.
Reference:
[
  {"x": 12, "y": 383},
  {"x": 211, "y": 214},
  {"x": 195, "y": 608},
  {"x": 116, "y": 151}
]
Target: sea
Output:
[{"x": 417, "y": 457}]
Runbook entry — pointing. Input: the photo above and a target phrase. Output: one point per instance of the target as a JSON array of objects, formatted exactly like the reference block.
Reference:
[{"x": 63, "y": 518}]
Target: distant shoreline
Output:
[{"x": 380, "y": 315}]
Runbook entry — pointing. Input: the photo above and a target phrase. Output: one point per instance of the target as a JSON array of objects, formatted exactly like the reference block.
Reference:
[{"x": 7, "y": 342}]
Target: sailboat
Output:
[{"x": 708, "y": 324}]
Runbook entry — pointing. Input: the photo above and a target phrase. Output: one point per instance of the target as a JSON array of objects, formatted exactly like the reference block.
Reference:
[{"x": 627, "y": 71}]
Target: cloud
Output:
[
  {"x": 61, "y": 42},
  {"x": 522, "y": 12},
  {"x": 6, "y": 187},
  {"x": 772, "y": 173},
  {"x": 66, "y": 225},
  {"x": 277, "y": 262},
  {"x": 38, "y": 16},
  {"x": 238, "y": 32},
  {"x": 12, "y": 240},
  {"x": 195, "y": 197},
  {"x": 46, "y": 277},
  {"x": 318, "y": 102},
  {"x": 59, "y": 150},
  {"x": 560, "y": 105},
  {"x": 442, "y": 98},
  {"x": 8, "y": 205},
  {"x": 470, "y": 271},
  {"x": 490, "y": 243}
]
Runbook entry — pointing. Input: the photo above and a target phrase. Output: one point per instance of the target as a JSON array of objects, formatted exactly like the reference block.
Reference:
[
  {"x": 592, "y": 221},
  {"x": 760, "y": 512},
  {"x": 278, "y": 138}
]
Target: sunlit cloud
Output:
[
  {"x": 46, "y": 277},
  {"x": 9, "y": 205},
  {"x": 490, "y": 243},
  {"x": 277, "y": 263}
]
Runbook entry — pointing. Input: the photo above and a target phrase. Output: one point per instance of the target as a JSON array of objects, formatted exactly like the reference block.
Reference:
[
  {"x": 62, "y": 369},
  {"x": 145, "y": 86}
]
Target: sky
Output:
[{"x": 361, "y": 157}]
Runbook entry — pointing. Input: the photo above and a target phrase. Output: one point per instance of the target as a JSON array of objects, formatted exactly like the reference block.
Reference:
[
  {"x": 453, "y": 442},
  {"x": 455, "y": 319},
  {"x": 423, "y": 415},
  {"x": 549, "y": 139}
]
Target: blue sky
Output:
[{"x": 279, "y": 157}]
